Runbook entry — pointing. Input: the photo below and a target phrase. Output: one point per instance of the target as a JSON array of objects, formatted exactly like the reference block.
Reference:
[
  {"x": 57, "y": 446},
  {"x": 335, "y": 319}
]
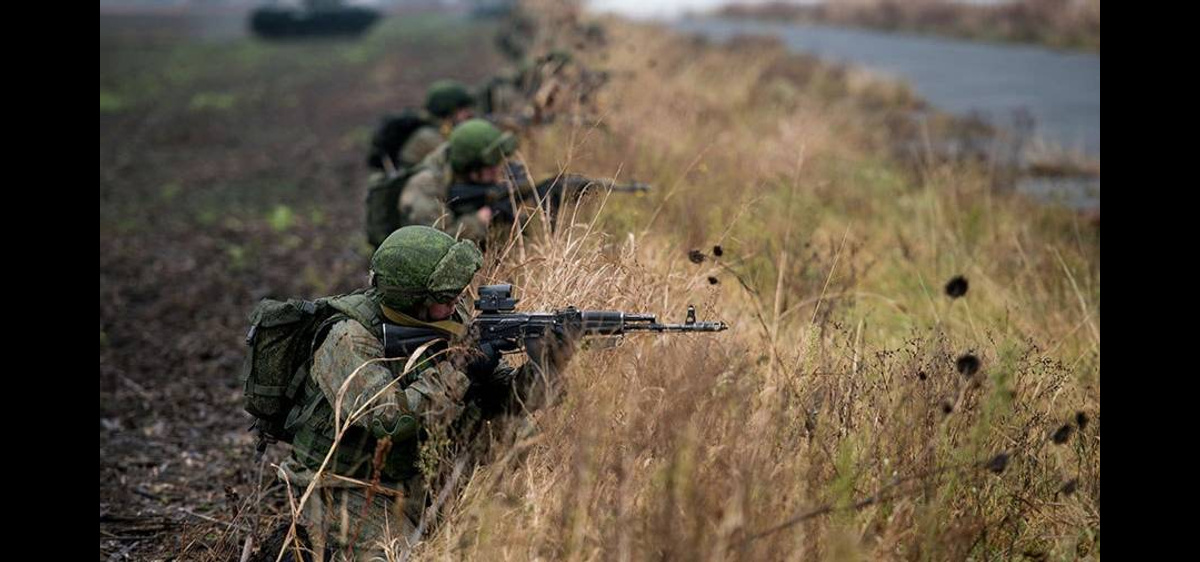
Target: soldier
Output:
[
  {"x": 417, "y": 277},
  {"x": 404, "y": 140},
  {"x": 536, "y": 92},
  {"x": 474, "y": 154}
]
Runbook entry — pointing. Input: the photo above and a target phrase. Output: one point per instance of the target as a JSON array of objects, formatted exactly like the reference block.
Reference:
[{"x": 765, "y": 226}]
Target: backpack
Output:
[
  {"x": 391, "y": 134},
  {"x": 383, "y": 205},
  {"x": 282, "y": 339}
]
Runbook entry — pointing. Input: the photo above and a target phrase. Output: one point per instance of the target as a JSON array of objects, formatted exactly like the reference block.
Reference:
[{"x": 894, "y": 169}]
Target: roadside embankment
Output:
[{"x": 868, "y": 402}]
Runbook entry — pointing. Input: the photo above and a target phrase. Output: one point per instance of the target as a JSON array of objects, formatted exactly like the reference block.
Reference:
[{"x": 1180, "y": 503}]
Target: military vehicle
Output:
[{"x": 317, "y": 18}]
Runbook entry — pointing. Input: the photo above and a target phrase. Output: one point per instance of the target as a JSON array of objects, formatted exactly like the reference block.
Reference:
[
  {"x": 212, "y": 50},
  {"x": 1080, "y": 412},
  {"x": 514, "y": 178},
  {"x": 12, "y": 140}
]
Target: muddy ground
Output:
[{"x": 230, "y": 170}]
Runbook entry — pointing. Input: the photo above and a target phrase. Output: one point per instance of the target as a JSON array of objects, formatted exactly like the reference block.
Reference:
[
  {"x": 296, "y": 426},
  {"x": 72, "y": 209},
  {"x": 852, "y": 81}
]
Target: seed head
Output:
[
  {"x": 967, "y": 365},
  {"x": 998, "y": 463},
  {"x": 1062, "y": 434},
  {"x": 957, "y": 287},
  {"x": 1069, "y": 488}
]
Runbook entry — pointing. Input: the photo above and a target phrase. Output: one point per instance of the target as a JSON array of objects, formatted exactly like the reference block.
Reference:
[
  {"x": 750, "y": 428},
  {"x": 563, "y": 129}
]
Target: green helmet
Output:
[
  {"x": 416, "y": 264},
  {"x": 447, "y": 96},
  {"x": 476, "y": 142}
]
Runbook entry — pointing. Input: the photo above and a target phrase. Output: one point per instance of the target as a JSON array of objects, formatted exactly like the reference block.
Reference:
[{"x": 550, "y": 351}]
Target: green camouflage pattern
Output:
[
  {"x": 399, "y": 405},
  {"x": 431, "y": 399},
  {"x": 276, "y": 362},
  {"x": 350, "y": 363},
  {"x": 476, "y": 143},
  {"x": 422, "y": 142},
  {"x": 382, "y": 204},
  {"x": 417, "y": 263},
  {"x": 335, "y": 510},
  {"x": 454, "y": 272},
  {"x": 423, "y": 200},
  {"x": 444, "y": 97}
]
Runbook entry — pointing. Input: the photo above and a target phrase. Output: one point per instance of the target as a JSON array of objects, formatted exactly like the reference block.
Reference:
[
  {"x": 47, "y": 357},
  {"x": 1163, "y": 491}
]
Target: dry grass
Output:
[{"x": 831, "y": 421}]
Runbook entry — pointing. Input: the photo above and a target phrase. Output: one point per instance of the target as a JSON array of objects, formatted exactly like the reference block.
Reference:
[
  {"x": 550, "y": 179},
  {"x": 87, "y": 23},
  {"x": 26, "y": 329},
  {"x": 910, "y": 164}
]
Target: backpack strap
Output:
[
  {"x": 303, "y": 409},
  {"x": 361, "y": 307}
]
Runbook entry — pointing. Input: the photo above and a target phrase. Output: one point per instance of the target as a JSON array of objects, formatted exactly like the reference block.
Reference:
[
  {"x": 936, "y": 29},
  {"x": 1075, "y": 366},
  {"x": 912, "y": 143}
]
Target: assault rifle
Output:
[
  {"x": 466, "y": 198},
  {"x": 499, "y": 326}
]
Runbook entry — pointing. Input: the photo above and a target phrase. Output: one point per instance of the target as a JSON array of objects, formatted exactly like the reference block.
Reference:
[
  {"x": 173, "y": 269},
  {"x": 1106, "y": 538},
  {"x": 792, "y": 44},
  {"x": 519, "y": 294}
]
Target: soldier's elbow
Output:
[{"x": 399, "y": 428}]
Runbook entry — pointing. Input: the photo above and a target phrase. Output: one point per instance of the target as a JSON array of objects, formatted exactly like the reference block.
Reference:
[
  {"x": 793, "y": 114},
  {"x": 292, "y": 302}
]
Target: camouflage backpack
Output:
[
  {"x": 383, "y": 205},
  {"x": 282, "y": 339},
  {"x": 391, "y": 134}
]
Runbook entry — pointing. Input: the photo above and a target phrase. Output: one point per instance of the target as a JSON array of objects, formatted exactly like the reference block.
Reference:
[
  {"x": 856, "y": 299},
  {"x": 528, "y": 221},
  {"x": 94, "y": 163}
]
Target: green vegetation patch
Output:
[
  {"x": 217, "y": 101},
  {"x": 110, "y": 102},
  {"x": 281, "y": 218}
]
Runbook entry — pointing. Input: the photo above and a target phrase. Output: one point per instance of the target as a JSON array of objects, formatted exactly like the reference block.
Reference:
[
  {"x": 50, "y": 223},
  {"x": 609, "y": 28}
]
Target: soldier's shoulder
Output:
[
  {"x": 423, "y": 177},
  {"x": 348, "y": 339},
  {"x": 430, "y": 132},
  {"x": 434, "y": 168},
  {"x": 425, "y": 136},
  {"x": 348, "y": 327},
  {"x": 439, "y": 157}
]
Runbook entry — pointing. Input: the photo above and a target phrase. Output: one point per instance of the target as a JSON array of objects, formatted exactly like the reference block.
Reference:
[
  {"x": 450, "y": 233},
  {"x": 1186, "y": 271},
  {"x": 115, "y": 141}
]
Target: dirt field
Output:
[{"x": 230, "y": 169}]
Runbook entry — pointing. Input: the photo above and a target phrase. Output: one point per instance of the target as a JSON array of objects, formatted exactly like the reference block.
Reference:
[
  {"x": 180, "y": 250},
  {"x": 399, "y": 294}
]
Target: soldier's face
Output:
[
  {"x": 490, "y": 174},
  {"x": 440, "y": 311},
  {"x": 463, "y": 114},
  {"x": 435, "y": 312}
]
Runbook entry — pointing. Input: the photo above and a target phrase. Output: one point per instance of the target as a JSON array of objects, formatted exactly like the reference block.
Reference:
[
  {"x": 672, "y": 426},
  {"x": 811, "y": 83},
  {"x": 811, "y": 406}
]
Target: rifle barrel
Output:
[{"x": 688, "y": 327}]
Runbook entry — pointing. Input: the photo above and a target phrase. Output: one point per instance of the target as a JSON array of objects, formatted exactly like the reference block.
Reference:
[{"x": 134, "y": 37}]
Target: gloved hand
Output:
[
  {"x": 483, "y": 362},
  {"x": 491, "y": 385}
]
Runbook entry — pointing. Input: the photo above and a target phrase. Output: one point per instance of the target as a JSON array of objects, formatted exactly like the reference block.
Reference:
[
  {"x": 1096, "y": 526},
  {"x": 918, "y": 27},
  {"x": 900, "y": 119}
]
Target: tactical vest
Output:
[{"x": 314, "y": 421}]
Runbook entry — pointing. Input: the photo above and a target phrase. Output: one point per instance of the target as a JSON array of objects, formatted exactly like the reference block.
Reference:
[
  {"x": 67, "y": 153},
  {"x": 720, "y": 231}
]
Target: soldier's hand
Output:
[
  {"x": 484, "y": 214},
  {"x": 483, "y": 363}
]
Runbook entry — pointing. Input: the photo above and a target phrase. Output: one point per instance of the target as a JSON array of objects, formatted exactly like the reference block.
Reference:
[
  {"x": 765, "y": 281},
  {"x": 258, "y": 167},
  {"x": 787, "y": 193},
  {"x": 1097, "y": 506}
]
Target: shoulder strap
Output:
[{"x": 360, "y": 307}]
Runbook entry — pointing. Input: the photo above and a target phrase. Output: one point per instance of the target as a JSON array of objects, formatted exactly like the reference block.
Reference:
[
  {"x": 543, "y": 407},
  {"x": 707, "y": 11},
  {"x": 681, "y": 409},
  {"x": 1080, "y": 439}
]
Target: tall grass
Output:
[{"x": 833, "y": 421}]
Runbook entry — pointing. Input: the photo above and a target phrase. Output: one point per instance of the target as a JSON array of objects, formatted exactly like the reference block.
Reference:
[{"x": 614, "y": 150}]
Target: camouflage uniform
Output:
[
  {"x": 403, "y": 408},
  {"x": 428, "y": 399},
  {"x": 421, "y": 144},
  {"x": 423, "y": 200},
  {"x": 444, "y": 101}
]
